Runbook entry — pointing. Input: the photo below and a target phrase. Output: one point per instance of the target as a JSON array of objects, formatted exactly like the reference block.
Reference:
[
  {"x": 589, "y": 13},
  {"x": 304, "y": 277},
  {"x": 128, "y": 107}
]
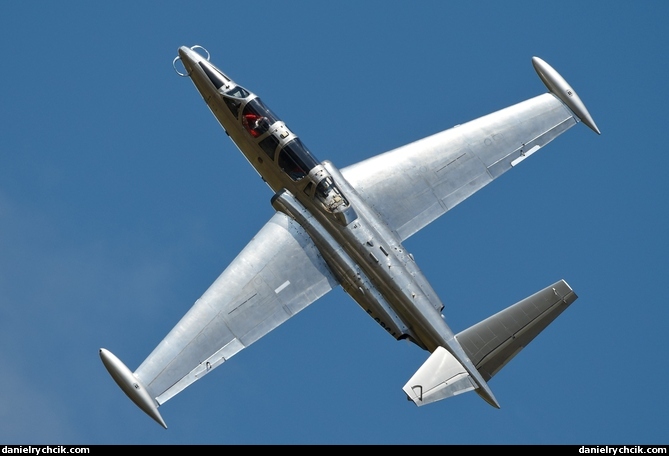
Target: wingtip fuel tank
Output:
[
  {"x": 131, "y": 385},
  {"x": 557, "y": 85}
]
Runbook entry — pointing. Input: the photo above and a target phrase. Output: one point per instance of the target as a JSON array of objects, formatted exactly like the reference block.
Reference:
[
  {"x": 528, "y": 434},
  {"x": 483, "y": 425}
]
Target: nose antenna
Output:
[
  {"x": 178, "y": 59},
  {"x": 196, "y": 47},
  {"x": 174, "y": 65}
]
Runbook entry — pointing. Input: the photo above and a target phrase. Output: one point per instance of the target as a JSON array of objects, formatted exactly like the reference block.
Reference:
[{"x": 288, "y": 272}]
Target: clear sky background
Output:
[{"x": 121, "y": 200}]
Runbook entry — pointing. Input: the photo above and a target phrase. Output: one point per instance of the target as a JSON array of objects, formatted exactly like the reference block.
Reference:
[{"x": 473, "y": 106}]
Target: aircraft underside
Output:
[{"x": 346, "y": 227}]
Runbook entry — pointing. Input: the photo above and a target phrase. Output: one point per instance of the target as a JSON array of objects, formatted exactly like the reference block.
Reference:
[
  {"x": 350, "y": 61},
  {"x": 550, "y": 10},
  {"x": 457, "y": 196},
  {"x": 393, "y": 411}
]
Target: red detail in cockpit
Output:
[{"x": 251, "y": 122}]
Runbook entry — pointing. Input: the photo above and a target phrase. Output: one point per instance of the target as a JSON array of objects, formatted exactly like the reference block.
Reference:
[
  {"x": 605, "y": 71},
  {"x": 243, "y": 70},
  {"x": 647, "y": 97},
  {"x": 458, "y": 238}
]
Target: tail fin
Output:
[
  {"x": 493, "y": 342},
  {"x": 489, "y": 345}
]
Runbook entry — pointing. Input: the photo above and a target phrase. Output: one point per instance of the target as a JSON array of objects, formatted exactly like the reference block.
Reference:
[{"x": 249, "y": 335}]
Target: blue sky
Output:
[{"x": 121, "y": 200}]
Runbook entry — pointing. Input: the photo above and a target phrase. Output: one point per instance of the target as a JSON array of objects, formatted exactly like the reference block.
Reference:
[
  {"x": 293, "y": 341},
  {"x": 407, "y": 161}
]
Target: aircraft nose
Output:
[
  {"x": 189, "y": 57},
  {"x": 186, "y": 53}
]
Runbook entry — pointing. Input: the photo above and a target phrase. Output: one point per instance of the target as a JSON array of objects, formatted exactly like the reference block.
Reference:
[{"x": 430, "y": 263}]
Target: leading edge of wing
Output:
[
  {"x": 414, "y": 184},
  {"x": 279, "y": 273}
]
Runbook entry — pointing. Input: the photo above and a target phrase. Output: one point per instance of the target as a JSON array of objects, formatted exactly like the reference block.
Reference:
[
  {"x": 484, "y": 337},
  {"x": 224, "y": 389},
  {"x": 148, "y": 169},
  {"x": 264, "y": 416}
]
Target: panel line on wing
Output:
[
  {"x": 250, "y": 297},
  {"x": 451, "y": 162}
]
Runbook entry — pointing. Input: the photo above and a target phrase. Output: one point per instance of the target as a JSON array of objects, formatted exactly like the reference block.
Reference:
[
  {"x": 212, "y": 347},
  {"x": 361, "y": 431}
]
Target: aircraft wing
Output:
[
  {"x": 413, "y": 185},
  {"x": 279, "y": 273}
]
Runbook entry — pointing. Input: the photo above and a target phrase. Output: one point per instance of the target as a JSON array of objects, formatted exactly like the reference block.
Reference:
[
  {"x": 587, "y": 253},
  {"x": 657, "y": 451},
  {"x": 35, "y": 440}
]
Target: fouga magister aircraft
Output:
[{"x": 346, "y": 227}]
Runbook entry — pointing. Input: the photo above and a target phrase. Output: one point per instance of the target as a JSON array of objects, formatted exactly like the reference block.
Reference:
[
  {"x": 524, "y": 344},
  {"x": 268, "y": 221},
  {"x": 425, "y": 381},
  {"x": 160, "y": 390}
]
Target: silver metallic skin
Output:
[
  {"x": 346, "y": 227},
  {"x": 349, "y": 274},
  {"x": 558, "y": 86},
  {"x": 131, "y": 385}
]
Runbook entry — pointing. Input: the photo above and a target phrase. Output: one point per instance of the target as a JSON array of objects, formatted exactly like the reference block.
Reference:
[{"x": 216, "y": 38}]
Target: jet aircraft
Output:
[{"x": 346, "y": 227}]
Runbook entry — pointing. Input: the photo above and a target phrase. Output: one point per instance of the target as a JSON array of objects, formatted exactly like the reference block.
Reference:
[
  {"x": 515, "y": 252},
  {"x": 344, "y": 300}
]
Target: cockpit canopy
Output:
[
  {"x": 215, "y": 75},
  {"x": 234, "y": 98},
  {"x": 296, "y": 160},
  {"x": 257, "y": 118}
]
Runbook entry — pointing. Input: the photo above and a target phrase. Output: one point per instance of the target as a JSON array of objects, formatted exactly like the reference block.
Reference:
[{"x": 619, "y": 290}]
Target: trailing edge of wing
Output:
[
  {"x": 279, "y": 273},
  {"x": 493, "y": 342}
]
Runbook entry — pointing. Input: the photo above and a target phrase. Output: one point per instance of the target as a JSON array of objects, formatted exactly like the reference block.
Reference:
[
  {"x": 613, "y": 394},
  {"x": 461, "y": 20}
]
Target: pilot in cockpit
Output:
[{"x": 255, "y": 124}]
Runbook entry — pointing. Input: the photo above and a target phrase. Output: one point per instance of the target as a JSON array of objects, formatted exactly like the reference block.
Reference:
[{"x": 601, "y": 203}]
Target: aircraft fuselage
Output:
[{"x": 365, "y": 255}]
